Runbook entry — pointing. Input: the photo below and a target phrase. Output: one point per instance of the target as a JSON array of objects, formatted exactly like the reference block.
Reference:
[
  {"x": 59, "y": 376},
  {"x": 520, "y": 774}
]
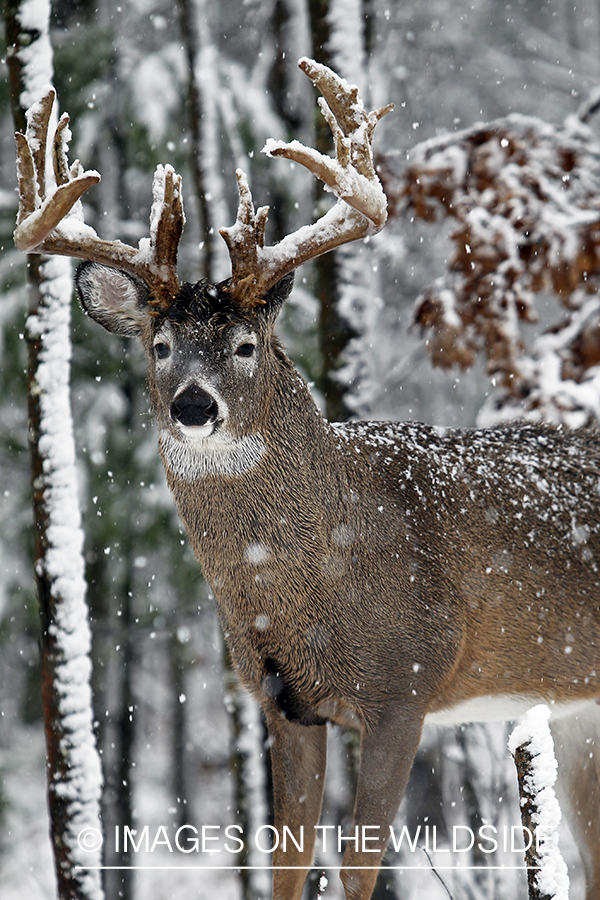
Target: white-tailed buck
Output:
[{"x": 375, "y": 575}]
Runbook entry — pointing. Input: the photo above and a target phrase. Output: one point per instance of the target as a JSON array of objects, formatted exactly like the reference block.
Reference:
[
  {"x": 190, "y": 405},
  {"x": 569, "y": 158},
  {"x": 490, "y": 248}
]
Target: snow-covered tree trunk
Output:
[
  {"x": 347, "y": 286},
  {"x": 74, "y": 775},
  {"x": 335, "y": 331},
  {"x": 533, "y": 750},
  {"x": 202, "y": 54},
  {"x": 248, "y": 762},
  {"x": 189, "y": 37}
]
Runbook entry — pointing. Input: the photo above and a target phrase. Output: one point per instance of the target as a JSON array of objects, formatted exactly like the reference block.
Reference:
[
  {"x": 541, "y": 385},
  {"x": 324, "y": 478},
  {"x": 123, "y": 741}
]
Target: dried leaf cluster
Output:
[{"x": 526, "y": 198}]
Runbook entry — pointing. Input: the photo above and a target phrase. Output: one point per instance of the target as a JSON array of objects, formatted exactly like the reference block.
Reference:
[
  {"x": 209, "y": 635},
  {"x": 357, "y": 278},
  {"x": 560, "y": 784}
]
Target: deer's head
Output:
[
  {"x": 211, "y": 348},
  {"x": 211, "y": 361}
]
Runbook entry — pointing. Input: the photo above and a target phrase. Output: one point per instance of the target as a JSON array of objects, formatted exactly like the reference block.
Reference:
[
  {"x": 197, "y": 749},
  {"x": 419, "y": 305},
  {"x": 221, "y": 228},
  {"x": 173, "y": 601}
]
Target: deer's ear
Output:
[
  {"x": 116, "y": 300},
  {"x": 276, "y": 297}
]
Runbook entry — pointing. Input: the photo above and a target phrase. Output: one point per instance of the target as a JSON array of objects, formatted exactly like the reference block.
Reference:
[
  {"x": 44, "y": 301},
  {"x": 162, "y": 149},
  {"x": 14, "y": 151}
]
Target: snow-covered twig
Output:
[
  {"x": 323, "y": 882},
  {"x": 533, "y": 750}
]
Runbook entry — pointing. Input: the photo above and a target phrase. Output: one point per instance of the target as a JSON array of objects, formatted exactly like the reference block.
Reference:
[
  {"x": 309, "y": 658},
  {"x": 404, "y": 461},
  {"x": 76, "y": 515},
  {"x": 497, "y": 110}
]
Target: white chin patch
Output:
[
  {"x": 197, "y": 432},
  {"x": 202, "y": 451}
]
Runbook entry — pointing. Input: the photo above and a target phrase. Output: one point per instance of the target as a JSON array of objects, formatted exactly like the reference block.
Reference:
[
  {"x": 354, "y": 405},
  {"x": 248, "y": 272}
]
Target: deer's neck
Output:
[{"x": 261, "y": 489}]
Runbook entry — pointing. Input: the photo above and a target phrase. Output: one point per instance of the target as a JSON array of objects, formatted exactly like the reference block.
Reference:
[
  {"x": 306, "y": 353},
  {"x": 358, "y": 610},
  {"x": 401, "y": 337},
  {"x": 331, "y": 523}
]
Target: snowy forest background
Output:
[{"x": 179, "y": 744}]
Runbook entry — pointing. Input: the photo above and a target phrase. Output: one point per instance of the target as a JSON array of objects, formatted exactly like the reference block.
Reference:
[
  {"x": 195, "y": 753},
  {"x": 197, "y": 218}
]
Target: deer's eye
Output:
[
  {"x": 246, "y": 349},
  {"x": 162, "y": 350}
]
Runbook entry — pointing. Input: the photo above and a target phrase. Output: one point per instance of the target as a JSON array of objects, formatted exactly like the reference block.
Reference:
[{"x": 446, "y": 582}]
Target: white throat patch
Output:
[{"x": 219, "y": 454}]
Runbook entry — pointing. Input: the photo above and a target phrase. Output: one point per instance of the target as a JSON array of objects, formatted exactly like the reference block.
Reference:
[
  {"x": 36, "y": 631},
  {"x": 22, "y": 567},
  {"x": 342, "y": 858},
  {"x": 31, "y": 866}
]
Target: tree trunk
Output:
[
  {"x": 335, "y": 332},
  {"x": 193, "y": 105},
  {"x": 532, "y": 748},
  {"x": 73, "y": 766}
]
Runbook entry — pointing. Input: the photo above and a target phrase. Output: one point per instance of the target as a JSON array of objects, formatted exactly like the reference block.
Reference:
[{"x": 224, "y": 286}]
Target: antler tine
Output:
[
  {"x": 166, "y": 226},
  {"x": 352, "y": 128},
  {"x": 50, "y": 220},
  {"x": 244, "y": 239},
  {"x": 60, "y": 157},
  {"x": 346, "y": 116},
  {"x": 361, "y": 208}
]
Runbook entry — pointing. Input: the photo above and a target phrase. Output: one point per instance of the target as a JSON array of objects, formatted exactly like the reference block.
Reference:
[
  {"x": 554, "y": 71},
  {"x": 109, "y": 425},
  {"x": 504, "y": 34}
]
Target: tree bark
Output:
[
  {"x": 193, "y": 105},
  {"x": 73, "y": 766},
  {"x": 335, "y": 332},
  {"x": 523, "y": 764}
]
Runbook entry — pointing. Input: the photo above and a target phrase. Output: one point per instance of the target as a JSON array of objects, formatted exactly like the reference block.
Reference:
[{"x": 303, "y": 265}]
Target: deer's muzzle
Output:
[{"x": 194, "y": 407}]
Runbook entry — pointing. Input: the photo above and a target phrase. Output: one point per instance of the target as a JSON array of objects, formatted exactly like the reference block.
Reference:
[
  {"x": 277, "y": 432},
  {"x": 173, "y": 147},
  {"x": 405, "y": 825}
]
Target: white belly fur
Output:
[{"x": 500, "y": 708}]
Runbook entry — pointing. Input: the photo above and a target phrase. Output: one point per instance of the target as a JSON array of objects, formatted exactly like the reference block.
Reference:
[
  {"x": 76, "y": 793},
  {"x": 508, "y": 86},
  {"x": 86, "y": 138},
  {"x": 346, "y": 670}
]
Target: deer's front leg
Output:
[
  {"x": 386, "y": 756},
  {"x": 298, "y": 757}
]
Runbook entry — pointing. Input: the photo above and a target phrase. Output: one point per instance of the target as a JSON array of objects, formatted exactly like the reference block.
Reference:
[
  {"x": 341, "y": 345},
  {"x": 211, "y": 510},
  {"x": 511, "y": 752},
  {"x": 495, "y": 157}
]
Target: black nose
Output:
[{"x": 194, "y": 406}]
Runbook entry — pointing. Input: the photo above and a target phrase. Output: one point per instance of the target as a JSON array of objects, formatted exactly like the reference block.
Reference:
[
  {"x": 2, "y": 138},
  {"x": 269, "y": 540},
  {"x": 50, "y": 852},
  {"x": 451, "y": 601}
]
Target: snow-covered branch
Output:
[
  {"x": 525, "y": 197},
  {"x": 533, "y": 750}
]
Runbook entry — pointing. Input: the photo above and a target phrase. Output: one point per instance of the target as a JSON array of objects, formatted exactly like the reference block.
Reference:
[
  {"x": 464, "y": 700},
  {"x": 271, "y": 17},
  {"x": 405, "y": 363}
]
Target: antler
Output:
[
  {"x": 361, "y": 208},
  {"x": 50, "y": 219}
]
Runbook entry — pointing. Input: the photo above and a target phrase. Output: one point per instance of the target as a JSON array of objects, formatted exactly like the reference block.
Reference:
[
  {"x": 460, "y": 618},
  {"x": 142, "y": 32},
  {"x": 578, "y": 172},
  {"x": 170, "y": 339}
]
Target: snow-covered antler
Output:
[
  {"x": 361, "y": 208},
  {"x": 50, "y": 219}
]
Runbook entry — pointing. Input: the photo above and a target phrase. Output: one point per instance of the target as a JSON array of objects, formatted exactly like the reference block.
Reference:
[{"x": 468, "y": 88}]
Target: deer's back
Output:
[{"x": 499, "y": 549}]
